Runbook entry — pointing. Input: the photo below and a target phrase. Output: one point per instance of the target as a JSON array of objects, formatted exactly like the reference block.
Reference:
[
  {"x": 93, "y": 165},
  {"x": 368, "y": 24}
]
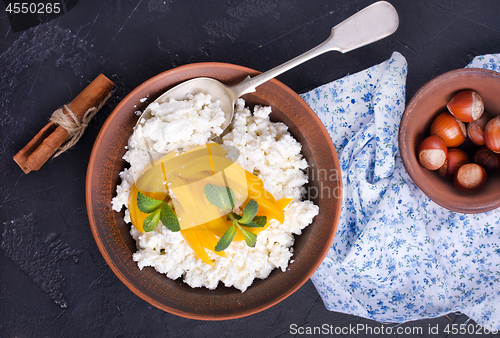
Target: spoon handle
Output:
[{"x": 371, "y": 24}]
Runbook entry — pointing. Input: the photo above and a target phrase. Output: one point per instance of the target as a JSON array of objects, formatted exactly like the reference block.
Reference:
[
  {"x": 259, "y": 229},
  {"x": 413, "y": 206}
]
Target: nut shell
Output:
[
  {"x": 454, "y": 160},
  {"x": 466, "y": 105},
  {"x": 432, "y": 153},
  {"x": 475, "y": 129},
  {"x": 471, "y": 177},
  {"x": 492, "y": 134},
  {"x": 452, "y": 131},
  {"x": 489, "y": 160}
]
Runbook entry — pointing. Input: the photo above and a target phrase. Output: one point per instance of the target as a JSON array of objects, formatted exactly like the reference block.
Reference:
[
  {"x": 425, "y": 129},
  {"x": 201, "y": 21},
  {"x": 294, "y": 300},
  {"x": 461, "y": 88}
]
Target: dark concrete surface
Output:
[{"x": 53, "y": 279}]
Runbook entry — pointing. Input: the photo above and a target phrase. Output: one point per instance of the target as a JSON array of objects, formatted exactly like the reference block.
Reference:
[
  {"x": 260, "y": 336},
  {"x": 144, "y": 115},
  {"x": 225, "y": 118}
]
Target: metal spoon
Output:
[{"x": 366, "y": 26}]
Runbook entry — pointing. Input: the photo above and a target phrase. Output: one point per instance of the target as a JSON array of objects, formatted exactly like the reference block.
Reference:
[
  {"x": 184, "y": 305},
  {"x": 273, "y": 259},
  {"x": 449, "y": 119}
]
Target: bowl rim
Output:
[
  {"x": 406, "y": 153},
  {"x": 106, "y": 255}
]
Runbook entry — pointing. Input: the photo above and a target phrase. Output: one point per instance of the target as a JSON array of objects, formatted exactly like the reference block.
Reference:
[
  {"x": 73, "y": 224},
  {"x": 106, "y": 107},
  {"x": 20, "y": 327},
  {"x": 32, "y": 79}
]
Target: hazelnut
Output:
[
  {"x": 487, "y": 159},
  {"x": 451, "y": 130},
  {"x": 466, "y": 105},
  {"x": 492, "y": 134},
  {"x": 475, "y": 129},
  {"x": 432, "y": 152},
  {"x": 470, "y": 177},
  {"x": 454, "y": 160}
]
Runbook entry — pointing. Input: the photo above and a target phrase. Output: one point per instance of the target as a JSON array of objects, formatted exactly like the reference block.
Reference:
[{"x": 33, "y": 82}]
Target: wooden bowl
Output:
[
  {"x": 427, "y": 103},
  {"x": 112, "y": 234}
]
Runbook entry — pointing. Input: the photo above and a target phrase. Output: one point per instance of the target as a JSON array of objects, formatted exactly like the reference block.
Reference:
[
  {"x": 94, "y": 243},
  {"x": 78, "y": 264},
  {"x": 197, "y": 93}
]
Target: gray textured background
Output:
[{"x": 53, "y": 279}]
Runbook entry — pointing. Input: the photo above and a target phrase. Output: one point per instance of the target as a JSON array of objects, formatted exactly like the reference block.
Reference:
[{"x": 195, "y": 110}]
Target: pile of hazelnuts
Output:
[{"x": 464, "y": 119}]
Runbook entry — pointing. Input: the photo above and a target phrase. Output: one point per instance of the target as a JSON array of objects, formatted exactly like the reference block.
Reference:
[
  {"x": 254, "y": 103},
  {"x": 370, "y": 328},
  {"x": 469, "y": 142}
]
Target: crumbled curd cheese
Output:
[
  {"x": 266, "y": 148},
  {"x": 182, "y": 124}
]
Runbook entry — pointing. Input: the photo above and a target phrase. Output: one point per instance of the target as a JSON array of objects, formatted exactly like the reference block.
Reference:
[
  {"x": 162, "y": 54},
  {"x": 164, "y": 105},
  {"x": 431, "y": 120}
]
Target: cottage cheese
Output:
[
  {"x": 268, "y": 150},
  {"x": 182, "y": 124}
]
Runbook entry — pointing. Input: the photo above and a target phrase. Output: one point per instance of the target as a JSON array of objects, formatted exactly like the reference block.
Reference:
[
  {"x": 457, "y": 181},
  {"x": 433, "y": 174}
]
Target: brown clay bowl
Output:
[
  {"x": 427, "y": 103},
  {"x": 112, "y": 234}
]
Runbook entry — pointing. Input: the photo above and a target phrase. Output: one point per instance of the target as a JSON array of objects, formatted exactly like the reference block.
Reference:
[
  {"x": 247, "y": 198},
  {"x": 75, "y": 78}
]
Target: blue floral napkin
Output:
[{"x": 397, "y": 255}]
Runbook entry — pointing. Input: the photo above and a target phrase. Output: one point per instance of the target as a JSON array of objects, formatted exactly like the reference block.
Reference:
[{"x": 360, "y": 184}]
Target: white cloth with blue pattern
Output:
[{"x": 397, "y": 255}]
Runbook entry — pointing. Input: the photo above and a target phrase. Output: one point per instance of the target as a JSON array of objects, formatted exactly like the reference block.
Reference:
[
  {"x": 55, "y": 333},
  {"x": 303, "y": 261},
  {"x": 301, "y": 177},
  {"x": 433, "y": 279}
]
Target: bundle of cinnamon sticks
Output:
[{"x": 45, "y": 144}]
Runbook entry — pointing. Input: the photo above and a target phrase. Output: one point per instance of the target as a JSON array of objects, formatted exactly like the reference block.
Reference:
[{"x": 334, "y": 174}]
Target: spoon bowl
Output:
[{"x": 205, "y": 85}]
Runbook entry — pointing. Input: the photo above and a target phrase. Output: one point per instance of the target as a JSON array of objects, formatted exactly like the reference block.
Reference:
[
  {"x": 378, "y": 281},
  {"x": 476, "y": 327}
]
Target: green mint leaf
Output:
[
  {"x": 222, "y": 197},
  {"x": 226, "y": 239},
  {"x": 257, "y": 222},
  {"x": 151, "y": 222},
  {"x": 233, "y": 216},
  {"x": 147, "y": 204},
  {"x": 250, "y": 211},
  {"x": 169, "y": 218},
  {"x": 250, "y": 237},
  {"x": 260, "y": 221}
]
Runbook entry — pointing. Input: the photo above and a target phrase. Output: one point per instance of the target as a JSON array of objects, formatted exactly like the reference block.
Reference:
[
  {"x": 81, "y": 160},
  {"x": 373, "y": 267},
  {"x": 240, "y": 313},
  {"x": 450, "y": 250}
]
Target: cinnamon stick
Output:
[{"x": 34, "y": 155}]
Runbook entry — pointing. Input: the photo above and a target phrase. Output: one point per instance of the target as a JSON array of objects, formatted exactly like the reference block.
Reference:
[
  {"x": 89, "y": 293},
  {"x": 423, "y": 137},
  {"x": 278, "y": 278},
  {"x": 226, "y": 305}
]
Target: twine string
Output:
[{"x": 65, "y": 118}]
